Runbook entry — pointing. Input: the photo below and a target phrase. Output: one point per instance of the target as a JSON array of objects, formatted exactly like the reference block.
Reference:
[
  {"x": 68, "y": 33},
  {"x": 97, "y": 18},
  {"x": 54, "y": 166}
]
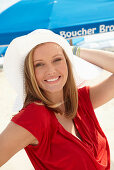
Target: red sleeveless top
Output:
[{"x": 60, "y": 150}]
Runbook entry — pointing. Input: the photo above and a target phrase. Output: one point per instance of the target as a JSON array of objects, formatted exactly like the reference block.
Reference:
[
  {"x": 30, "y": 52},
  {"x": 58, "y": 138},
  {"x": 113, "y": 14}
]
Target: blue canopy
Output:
[
  {"x": 2, "y": 51},
  {"x": 69, "y": 18}
]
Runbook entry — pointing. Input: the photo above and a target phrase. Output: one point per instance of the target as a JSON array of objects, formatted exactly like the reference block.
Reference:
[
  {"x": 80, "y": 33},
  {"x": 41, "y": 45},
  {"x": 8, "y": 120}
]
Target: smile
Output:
[{"x": 53, "y": 80}]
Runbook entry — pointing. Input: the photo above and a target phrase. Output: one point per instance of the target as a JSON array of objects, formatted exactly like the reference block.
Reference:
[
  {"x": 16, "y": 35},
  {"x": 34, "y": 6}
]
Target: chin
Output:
[{"x": 53, "y": 90}]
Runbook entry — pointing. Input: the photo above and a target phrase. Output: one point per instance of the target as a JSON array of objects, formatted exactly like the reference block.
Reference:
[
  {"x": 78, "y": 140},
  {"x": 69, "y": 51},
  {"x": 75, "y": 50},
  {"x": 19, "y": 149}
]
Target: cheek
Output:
[
  {"x": 38, "y": 75},
  {"x": 64, "y": 69},
  {"x": 66, "y": 72}
]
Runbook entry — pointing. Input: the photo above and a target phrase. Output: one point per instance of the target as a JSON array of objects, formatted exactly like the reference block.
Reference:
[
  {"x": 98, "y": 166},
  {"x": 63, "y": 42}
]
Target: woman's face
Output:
[{"x": 50, "y": 67}]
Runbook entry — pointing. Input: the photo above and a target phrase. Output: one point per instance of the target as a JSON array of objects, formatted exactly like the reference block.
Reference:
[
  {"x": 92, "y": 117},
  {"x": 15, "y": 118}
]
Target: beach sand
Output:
[{"x": 105, "y": 115}]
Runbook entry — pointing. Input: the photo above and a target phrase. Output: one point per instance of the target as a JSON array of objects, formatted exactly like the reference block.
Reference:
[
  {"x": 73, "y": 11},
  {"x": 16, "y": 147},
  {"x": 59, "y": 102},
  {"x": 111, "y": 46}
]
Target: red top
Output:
[{"x": 60, "y": 150}]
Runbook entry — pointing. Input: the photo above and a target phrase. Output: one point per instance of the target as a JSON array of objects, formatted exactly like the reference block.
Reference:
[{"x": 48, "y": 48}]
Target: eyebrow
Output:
[
  {"x": 53, "y": 57},
  {"x": 37, "y": 60}
]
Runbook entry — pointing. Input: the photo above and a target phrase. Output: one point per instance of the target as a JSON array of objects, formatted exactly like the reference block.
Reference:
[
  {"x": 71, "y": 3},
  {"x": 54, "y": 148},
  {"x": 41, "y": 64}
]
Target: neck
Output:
[{"x": 55, "y": 97}]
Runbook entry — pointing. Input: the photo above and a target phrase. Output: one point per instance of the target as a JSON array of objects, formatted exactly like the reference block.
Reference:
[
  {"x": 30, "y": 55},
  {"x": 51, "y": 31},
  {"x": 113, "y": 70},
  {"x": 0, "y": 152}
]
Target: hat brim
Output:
[{"x": 21, "y": 46}]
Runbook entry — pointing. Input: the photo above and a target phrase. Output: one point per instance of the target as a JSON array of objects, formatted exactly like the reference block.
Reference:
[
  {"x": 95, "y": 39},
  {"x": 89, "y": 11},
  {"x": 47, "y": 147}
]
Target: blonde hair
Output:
[{"x": 34, "y": 93}]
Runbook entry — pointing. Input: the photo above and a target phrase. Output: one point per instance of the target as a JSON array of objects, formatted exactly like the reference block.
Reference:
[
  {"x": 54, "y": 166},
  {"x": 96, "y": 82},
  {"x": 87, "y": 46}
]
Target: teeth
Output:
[{"x": 53, "y": 79}]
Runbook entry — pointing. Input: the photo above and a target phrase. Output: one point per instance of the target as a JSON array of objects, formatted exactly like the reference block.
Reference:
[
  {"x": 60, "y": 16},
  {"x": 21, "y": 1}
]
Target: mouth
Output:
[{"x": 53, "y": 80}]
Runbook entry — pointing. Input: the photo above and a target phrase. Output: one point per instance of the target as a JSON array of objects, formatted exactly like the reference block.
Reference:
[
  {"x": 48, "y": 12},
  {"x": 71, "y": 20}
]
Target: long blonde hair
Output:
[{"x": 33, "y": 93}]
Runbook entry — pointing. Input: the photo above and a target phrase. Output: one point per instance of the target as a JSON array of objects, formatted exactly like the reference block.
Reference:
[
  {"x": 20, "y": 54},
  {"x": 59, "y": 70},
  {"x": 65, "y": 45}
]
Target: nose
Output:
[{"x": 51, "y": 70}]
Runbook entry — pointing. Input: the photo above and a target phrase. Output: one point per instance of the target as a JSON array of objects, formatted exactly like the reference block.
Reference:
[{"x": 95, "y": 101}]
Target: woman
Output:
[{"x": 57, "y": 125}]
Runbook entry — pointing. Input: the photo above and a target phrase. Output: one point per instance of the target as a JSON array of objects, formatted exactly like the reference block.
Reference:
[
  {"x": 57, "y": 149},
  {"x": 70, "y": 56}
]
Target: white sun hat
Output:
[{"x": 21, "y": 46}]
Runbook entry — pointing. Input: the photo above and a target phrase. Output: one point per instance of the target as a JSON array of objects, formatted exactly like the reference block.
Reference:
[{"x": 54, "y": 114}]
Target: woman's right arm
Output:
[{"x": 13, "y": 139}]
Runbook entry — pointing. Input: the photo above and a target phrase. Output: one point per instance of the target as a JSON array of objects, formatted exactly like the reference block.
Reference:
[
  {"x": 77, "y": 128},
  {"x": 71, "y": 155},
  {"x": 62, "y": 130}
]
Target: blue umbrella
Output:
[
  {"x": 2, "y": 51},
  {"x": 69, "y": 18}
]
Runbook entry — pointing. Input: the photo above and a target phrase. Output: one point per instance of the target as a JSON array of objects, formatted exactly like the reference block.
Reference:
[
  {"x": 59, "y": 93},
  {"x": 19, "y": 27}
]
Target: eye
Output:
[
  {"x": 57, "y": 59},
  {"x": 39, "y": 64}
]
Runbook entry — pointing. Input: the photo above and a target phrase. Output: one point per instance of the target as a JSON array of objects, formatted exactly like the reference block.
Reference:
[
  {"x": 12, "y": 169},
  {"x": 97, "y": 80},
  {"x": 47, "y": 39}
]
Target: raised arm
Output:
[
  {"x": 103, "y": 59},
  {"x": 13, "y": 139},
  {"x": 103, "y": 92}
]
